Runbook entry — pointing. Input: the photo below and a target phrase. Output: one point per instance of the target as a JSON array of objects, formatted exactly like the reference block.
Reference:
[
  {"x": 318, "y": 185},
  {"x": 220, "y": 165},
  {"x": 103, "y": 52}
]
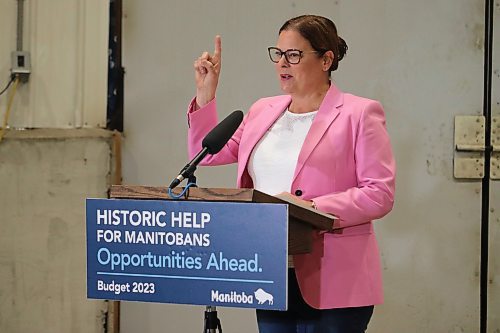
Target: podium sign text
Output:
[{"x": 188, "y": 252}]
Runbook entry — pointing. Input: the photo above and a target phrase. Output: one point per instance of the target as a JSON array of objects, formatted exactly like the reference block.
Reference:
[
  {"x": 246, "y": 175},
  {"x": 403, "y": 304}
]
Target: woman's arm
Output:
[
  {"x": 200, "y": 123},
  {"x": 373, "y": 197}
]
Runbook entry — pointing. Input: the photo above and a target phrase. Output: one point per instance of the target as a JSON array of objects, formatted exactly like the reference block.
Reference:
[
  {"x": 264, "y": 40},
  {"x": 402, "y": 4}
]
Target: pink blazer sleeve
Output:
[
  {"x": 373, "y": 197},
  {"x": 200, "y": 123}
]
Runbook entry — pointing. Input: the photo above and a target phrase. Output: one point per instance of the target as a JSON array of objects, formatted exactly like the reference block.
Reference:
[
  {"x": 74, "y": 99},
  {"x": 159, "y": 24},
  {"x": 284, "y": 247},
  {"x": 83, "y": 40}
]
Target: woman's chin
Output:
[{"x": 286, "y": 88}]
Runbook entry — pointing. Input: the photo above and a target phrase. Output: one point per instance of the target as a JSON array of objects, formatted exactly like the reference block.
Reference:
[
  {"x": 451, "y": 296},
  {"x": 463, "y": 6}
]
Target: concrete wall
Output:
[{"x": 45, "y": 176}]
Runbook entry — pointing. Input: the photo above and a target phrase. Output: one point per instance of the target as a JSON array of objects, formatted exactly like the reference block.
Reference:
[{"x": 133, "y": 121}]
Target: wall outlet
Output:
[{"x": 21, "y": 65}]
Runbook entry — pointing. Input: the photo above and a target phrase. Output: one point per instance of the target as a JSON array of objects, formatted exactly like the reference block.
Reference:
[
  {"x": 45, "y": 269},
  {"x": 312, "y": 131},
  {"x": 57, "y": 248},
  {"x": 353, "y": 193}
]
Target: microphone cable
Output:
[
  {"x": 9, "y": 105},
  {"x": 12, "y": 79},
  {"x": 172, "y": 195}
]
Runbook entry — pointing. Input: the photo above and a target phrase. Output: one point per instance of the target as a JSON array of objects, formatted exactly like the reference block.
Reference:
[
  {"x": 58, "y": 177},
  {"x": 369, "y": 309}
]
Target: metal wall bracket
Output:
[
  {"x": 495, "y": 133},
  {"x": 468, "y": 161},
  {"x": 495, "y": 143},
  {"x": 469, "y": 166},
  {"x": 469, "y": 133},
  {"x": 495, "y": 166}
]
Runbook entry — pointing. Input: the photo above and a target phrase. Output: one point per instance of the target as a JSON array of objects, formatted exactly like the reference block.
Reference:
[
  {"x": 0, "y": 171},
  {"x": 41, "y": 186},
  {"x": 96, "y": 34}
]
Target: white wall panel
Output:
[
  {"x": 494, "y": 214},
  {"x": 67, "y": 40},
  {"x": 422, "y": 59}
]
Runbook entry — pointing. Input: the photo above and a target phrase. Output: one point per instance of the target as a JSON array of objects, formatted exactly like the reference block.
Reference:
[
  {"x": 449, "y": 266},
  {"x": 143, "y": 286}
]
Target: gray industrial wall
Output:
[{"x": 422, "y": 59}]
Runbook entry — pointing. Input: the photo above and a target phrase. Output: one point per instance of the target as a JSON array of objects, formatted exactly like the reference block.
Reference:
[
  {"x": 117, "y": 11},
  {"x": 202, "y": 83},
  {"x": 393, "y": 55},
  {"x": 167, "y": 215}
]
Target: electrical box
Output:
[{"x": 21, "y": 65}]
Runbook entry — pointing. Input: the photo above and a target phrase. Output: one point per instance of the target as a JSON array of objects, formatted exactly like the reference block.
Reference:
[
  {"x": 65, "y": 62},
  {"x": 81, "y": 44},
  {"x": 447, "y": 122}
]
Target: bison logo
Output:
[{"x": 261, "y": 296}]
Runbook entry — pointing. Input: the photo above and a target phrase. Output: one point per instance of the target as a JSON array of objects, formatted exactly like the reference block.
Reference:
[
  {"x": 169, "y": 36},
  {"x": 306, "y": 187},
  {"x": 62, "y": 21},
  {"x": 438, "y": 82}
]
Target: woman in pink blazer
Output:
[{"x": 320, "y": 146}]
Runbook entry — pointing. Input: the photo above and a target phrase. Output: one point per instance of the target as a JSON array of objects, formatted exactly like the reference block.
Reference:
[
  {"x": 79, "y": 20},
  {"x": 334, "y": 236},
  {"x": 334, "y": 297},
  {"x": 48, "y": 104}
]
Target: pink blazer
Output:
[{"x": 346, "y": 167}]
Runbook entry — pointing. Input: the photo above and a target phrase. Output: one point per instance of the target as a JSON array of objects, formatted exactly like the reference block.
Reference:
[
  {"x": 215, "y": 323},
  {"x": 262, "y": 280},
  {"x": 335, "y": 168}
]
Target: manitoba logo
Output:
[
  {"x": 261, "y": 296},
  {"x": 232, "y": 297}
]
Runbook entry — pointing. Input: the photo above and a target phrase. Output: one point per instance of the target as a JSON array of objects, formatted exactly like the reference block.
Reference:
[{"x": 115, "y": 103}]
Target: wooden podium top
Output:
[{"x": 302, "y": 214}]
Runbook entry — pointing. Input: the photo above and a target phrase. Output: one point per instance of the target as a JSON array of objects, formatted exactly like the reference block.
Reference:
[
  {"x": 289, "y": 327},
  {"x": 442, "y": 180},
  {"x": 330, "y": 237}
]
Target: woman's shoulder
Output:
[
  {"x": 351, "y": 99},
  {"x": 361, "y": 106},
  {"x": 349, "y": 103}
]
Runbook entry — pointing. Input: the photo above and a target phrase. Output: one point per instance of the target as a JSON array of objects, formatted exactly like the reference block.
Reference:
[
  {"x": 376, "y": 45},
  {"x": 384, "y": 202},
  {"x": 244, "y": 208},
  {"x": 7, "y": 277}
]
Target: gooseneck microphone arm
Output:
[
  {"x": 189, "y": 169},
  {"x": 212, "y": 144}
]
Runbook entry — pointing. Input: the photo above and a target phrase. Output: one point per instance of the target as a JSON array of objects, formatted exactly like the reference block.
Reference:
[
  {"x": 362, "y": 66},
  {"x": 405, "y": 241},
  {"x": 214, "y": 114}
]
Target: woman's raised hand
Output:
[{"x": 207, "y": 70}]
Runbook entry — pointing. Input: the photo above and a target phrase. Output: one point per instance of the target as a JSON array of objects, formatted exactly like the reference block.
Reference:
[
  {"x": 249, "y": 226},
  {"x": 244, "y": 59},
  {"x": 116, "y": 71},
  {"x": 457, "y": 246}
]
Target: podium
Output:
[
  {"x": 108, "y": 246},
  {"x": 301, "y": 220}
]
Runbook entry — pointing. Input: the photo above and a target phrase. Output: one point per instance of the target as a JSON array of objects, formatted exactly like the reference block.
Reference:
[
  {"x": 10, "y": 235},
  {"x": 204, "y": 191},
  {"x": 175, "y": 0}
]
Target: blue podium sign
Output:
[{"x": 187, "y": 252}]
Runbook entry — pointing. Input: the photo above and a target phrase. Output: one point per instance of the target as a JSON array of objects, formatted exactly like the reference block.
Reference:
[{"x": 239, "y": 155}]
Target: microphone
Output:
[{"x": 212, "y": 143}]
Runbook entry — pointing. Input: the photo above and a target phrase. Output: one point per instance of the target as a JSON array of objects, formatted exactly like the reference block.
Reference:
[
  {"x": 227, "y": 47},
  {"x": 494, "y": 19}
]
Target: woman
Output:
[{"x": 323, "y": 147}]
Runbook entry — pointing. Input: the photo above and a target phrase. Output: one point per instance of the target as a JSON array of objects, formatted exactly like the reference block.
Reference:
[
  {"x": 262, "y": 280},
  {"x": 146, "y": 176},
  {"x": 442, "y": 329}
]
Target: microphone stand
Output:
[
  {"x": 212, "y": 322},
  {"x": 192, "y": 183}
]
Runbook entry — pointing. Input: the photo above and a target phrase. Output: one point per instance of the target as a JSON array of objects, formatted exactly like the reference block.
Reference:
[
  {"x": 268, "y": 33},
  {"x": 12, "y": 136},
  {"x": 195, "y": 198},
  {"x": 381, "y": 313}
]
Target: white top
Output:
[{"x": 274, "y": 159}]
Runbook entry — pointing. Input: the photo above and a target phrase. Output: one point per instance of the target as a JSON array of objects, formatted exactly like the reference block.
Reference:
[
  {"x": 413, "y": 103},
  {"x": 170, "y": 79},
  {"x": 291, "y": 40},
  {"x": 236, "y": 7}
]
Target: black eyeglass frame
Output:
[{"x": 301, "y": 53}]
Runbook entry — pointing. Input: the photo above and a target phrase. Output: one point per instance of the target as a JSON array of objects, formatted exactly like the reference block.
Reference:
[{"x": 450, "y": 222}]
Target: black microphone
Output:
[{"x": 212, "y": 143}]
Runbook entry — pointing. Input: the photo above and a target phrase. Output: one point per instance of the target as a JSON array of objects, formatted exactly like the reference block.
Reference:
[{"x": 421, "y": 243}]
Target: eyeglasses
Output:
[{"x": 292, "y": 56}]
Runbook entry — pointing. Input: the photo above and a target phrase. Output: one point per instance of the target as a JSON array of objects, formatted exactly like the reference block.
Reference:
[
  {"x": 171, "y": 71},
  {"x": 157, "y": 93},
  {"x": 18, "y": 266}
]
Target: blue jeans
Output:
[{"x": 301, "y": 318}]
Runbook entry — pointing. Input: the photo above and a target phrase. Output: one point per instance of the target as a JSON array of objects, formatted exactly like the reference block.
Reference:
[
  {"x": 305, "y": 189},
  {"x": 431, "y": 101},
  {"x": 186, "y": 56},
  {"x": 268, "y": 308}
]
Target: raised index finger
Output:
[{"x": 218, "y": 49}]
